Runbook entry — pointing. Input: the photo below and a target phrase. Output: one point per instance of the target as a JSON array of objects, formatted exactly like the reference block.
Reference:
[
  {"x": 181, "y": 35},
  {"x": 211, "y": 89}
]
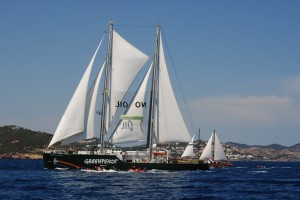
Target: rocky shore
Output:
[{"x": 22, "y": 156}]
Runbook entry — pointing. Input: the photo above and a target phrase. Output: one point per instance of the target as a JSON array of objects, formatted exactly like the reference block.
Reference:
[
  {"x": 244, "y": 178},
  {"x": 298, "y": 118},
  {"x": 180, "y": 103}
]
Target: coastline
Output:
[
  {"x": 23, "y": 156},
  {"x": 38, "y": 156}
]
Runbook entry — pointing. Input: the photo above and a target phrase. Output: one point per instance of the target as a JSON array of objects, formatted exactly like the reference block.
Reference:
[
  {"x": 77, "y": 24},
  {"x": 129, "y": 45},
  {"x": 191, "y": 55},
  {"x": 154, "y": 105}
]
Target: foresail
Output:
[
  {"x": 189, "y": 150},
  {"x": 89, "y": 115},
  {"x": 218, "y": 153},
  {"x": 132, "y": 127},
  {"x": 72, "y": 121},
  {"x": 127, "y": 61},
  {"x": 207, "y": 151},
  {"x": 90, "y": 125},
  {"x": 172, "y": 127}
]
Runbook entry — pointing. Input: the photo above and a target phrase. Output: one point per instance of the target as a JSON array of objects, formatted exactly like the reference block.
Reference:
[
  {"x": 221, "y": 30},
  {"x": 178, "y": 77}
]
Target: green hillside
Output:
[{"x": 17, "y": 139}]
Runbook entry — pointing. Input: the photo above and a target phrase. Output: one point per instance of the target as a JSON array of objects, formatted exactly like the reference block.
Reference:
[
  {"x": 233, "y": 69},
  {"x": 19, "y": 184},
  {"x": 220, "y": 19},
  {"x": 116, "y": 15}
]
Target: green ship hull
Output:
[{"x": 80, "y": 161}]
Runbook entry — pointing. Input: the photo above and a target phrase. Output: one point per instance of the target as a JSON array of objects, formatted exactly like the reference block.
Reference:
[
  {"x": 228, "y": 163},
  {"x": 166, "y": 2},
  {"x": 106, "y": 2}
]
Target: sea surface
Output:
[{"x": 27, "y": 179}]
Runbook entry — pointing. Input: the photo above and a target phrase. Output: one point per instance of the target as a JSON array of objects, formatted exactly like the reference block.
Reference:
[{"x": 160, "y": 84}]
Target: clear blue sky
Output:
[{"x": 238, "y": 61}]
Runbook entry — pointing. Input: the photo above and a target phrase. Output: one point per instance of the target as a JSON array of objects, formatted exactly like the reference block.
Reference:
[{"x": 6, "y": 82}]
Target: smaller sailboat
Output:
[{"x": 214, "y": 154}]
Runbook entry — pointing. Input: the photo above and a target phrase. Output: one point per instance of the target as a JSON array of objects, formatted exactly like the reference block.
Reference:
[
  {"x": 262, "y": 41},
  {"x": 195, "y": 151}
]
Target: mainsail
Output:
[{"x": 169, "y": 125}]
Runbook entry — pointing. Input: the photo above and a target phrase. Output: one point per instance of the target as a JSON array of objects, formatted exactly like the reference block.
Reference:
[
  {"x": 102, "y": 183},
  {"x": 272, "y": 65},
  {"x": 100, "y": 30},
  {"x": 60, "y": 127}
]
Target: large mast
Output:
[
  {"x": 106, "y": 90},
  {"x": 153, "y": 117}
]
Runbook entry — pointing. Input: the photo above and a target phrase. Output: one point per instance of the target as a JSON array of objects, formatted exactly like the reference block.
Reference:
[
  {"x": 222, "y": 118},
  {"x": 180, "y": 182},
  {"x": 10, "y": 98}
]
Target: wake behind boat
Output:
[
  {"x": 100, "y": 169},
  {"x": 147, "y": 115}
]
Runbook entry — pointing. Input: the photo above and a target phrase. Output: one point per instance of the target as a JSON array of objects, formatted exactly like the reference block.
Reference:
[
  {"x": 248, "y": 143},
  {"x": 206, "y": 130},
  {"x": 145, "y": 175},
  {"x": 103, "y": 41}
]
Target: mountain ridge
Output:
[{"x": 274, "y": 146}]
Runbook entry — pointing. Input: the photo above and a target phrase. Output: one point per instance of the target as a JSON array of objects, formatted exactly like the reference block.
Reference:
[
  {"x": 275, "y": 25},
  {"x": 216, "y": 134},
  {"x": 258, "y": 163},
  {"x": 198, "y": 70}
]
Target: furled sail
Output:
[
  {"x": 132, "y": 126},
  {"x": 189, "y": 150},
  {"x": 73, "y": 120},
  {"x": 171, "y": 125}
]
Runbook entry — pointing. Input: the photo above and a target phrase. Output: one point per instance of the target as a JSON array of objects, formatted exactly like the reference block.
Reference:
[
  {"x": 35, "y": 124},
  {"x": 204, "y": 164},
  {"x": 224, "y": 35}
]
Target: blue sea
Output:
[{"x": 27, "y": 179}]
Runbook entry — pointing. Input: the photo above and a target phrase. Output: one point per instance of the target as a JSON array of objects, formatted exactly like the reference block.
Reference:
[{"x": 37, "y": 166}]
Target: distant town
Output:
[{"x": 241, "y": 152}]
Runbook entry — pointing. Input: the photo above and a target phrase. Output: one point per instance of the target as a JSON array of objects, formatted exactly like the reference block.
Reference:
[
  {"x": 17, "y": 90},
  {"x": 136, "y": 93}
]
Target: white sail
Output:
[
  {"x": 127, "y": 61},
  {"x": 90, "y": 126},
  {"x": 207, "y": 152},
  {"x": 72, "y": 121},
  {"x": 123, "y": 64},
  {"x": 90, "y": 114},
  {"x": 172, "y": 127},
  {"x": 213, "y": 149},
  {"x": 189, "y": 150},
  {"x": 219, "y": 154},
  {"x": 78, "y": 121},
  {"x": 132, "y": 127}
]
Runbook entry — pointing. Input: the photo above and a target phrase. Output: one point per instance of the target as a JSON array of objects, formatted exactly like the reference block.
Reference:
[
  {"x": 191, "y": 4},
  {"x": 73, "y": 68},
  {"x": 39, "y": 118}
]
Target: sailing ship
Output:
[
  {"x": 149, "y": 115},
  {"x": 214, "y": 154}
]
